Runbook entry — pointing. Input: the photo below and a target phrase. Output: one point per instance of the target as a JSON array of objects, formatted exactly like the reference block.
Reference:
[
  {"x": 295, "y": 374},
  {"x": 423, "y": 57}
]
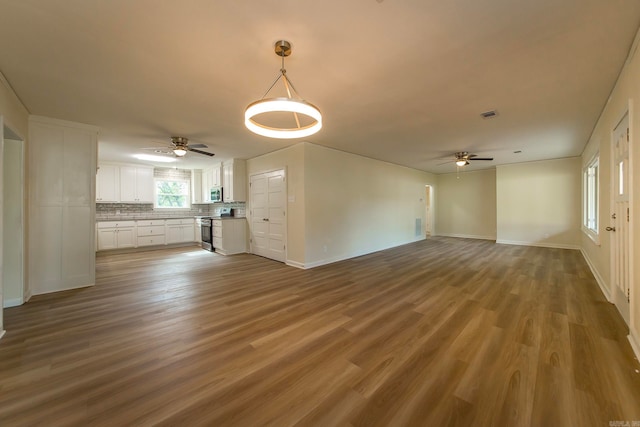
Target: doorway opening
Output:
[
  {"x": 428, "y": 224},
  {"x": 12, "y": 218}
]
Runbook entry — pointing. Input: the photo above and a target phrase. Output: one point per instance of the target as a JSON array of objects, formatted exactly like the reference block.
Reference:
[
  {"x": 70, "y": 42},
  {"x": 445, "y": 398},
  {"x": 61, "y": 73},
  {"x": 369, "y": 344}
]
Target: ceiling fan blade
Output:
[
  {"x": 471, "y": 155},
  {"x": 447, "y": 162},
  {"x": 482, "y": 158},
  {"x": 200, "y": 151},
  {"x": 198, "y": 146}
]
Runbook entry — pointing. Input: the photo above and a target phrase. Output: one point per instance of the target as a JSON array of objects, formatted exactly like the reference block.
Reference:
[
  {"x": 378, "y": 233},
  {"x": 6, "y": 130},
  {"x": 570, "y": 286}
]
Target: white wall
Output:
[
  {"x": 466, "y": 204},
  {"x": 624, "y": 97},
  {"x": 355, "y": 205},
  {"x": 292, "y": 160},
  {"x": 538, "y": 203},
  {"x": 62, "y": 205},
  {"x": 349, "y": 204}
]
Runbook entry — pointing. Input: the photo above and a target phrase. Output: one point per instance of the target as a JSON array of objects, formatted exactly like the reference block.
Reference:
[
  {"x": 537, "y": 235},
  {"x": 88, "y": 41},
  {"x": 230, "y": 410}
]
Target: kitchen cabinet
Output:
[
  {"x": 229, "y": 235},
  {"x": 196, "y": 186},
  {"x": 216, "y": 179},
  {"x": 234, "y": 181},
  {"x": 108, "y": 184},
  {"x": 211, "y": 177},
  {"x": 180, "y": 230},
  {"x": 136, "y": 184},
  {"x": 116, "y": 235},
  {"x": 150, "y": 232}
]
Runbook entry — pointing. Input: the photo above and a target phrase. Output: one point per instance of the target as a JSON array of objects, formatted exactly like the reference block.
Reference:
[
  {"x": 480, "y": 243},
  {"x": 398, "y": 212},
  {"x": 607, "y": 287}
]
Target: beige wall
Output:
[
  {"x": 624, "y": 97},
  {"x": 356, "y": 205},
  {"x": 15, "y": 116},
  {"x": 348, "y": 204},
  {"x": 466, "y": 204},
  {"x": 292, "y": 160},
  {"x": 538, "y": 203}
]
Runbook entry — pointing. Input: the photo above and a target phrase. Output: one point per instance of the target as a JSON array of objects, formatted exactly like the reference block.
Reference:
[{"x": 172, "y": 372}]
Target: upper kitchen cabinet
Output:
[
  {"x": 234, "y": 181},
  {"x": 108, "y": 184},
  {"x": 196, "y": 186},
  {"x": 136, "y": 184},
  {"x": 210, "y": 178}
]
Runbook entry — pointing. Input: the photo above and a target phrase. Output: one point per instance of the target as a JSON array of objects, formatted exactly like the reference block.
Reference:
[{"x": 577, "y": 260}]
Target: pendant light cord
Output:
[{"x": 287, "y": 85}]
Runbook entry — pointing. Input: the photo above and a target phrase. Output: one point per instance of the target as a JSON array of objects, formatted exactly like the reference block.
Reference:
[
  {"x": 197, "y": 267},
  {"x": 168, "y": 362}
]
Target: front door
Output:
[
  {"x": 620, "y": 216},
  {"x": 268, "y": 214}
]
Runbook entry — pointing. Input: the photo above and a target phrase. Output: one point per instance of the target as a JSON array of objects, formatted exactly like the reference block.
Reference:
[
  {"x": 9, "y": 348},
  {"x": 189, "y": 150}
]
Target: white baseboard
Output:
[
  {"x": 295, "y": 264},
  {"x": 2, "y": 333},
  {"x": 70, "y": 288},
  {"x": 14, "y": 302},
  {"x": 538, "y": 244},
  {"x": 599, "y": 279},
  {"x": 466, "y": 236},
  {"x": 635, "y": 343},
  {"x": 27, "y": 296}
]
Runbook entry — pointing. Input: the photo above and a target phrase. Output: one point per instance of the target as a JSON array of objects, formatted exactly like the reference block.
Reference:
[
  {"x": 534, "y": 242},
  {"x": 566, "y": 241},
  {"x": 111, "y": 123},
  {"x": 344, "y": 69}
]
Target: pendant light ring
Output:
[{"x": 288, "y": 105}]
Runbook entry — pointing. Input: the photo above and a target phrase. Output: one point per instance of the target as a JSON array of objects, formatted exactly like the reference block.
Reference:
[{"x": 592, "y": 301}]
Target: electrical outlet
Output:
[
  {"x": 324, "y": 248},
  {"x": 117, "y": 211},
  {"x": 200, "y": 210}
]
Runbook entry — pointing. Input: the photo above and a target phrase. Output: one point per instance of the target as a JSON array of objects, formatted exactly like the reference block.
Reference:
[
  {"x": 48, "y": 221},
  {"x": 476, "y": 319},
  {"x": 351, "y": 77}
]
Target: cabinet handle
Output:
[
  {"x": 610, "y": 228},
  {"x": 265, "y": 219}
]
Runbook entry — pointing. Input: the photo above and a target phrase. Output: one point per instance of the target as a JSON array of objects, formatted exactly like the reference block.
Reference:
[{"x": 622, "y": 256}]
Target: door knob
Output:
[{"x": 610, "y": 228}]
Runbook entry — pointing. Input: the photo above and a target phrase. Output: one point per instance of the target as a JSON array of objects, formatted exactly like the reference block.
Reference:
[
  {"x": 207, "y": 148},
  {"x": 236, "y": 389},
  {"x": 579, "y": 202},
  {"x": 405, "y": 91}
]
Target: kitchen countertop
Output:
[{"x": 146, "y": 218}]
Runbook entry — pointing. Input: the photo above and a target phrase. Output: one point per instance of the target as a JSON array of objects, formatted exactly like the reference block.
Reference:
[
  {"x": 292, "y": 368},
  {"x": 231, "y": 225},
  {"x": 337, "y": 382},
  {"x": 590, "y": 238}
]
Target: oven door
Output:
[{"x": 205, "y": 231}]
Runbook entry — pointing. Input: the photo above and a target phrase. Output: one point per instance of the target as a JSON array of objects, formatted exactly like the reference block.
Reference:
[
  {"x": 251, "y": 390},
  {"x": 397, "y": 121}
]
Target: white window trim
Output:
[
  {"x": 593, "y": 234},
  {"x": 172, "y": 209}
]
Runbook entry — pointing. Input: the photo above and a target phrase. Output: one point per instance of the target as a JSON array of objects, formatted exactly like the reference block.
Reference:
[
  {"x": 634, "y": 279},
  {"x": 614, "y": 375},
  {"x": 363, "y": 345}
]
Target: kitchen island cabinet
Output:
[{"x": 229, "y": 235}]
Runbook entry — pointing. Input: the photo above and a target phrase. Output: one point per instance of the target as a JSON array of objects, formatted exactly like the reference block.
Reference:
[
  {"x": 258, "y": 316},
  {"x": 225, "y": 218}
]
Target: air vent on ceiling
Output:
[{"x": 489, "y": 114}]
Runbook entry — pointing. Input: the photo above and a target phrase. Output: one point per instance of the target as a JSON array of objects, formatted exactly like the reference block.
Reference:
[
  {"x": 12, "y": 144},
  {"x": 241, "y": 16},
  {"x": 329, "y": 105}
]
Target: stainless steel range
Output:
[{"x": 206, "y": 230}]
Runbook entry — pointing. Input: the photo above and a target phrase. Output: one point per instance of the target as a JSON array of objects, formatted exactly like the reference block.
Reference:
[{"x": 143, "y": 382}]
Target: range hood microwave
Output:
[{"x": 216, "y": 194}]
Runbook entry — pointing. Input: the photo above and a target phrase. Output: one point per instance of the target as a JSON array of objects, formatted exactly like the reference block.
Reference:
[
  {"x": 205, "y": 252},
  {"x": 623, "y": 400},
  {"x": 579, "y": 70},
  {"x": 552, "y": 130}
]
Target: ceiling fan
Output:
[
  {"x": 462, "y": 158},
  {"x": 180, "y": 146}
]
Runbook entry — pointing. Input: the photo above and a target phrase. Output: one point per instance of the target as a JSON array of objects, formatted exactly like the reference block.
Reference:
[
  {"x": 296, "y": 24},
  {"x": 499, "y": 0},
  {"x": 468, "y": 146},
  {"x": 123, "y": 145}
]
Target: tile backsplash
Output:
[{"x": 107, "y": 211}]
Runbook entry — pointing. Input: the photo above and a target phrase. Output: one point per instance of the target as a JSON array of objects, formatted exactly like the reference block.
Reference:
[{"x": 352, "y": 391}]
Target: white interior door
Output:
[
  {"x": 620, "y": 216},
  {"x": 268, "y": 215}
]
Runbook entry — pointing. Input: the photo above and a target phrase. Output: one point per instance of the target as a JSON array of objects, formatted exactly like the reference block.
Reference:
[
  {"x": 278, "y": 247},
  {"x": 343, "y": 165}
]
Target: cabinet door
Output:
[
  {"x": 227, "y": 182},
  {"x": 126, "y": 237},
  {"x": 107, "y": 239},
  {"x": 108, "y": 184},
  {"x": 196, "y": 186},
  {"x": 216, "y": 180},
  {"x": 188, "y": 233},
  {"x": 206, "y": 185},
  {"x": 128, "y": 184},
  {"x": 144, "y": 185},
  {"x": 173, "y": 234}
]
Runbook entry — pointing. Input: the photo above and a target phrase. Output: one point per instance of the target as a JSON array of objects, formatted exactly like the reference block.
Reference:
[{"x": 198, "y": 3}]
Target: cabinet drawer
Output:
[
  {"x": 150, "y": 231},
  {"x": 217, "y": 231},
  {"x": 150, "y": 240},
  {"x": 116, "y": 224},
  {"x": 150, "y": 222},
  {"x": 182, "y": 221},
  {"x": 217, "y": 242},
  {"x": 216, "y": 223}
]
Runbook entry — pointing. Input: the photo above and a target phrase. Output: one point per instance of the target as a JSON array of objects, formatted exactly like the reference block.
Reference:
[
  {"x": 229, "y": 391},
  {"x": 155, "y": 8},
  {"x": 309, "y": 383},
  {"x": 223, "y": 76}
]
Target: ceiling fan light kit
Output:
[{"x": 296, "y": 106}]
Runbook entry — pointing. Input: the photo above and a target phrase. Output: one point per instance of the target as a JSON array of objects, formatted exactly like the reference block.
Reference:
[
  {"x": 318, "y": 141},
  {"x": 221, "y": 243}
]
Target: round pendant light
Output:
[{"x": 294, "y": 105}]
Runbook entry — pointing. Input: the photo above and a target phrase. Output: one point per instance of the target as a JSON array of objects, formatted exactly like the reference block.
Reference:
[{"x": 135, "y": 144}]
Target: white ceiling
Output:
[{"x": 403, "y": 81}]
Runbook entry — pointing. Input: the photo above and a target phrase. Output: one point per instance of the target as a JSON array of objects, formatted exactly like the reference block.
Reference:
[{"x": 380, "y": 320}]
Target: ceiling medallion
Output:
[{"x": 295, "y": 105}]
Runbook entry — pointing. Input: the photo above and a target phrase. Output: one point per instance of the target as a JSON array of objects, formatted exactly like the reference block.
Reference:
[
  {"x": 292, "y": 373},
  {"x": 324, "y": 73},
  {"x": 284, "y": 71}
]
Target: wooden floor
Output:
[{"x": 435, "y": 333}]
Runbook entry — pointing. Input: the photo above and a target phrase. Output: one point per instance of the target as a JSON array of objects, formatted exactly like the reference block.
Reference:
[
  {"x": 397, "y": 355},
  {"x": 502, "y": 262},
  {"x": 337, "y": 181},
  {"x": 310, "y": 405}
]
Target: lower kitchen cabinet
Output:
[
  {"x": 116, "y": 235},
  {"x": 180, "y": 231},
  {"x": 229, "y": 235},
  {"x": 150, "y": 232}
]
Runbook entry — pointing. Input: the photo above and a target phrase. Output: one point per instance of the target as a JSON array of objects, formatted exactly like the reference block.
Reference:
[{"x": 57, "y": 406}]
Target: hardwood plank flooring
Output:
[{"x": 442, "y": 332}]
